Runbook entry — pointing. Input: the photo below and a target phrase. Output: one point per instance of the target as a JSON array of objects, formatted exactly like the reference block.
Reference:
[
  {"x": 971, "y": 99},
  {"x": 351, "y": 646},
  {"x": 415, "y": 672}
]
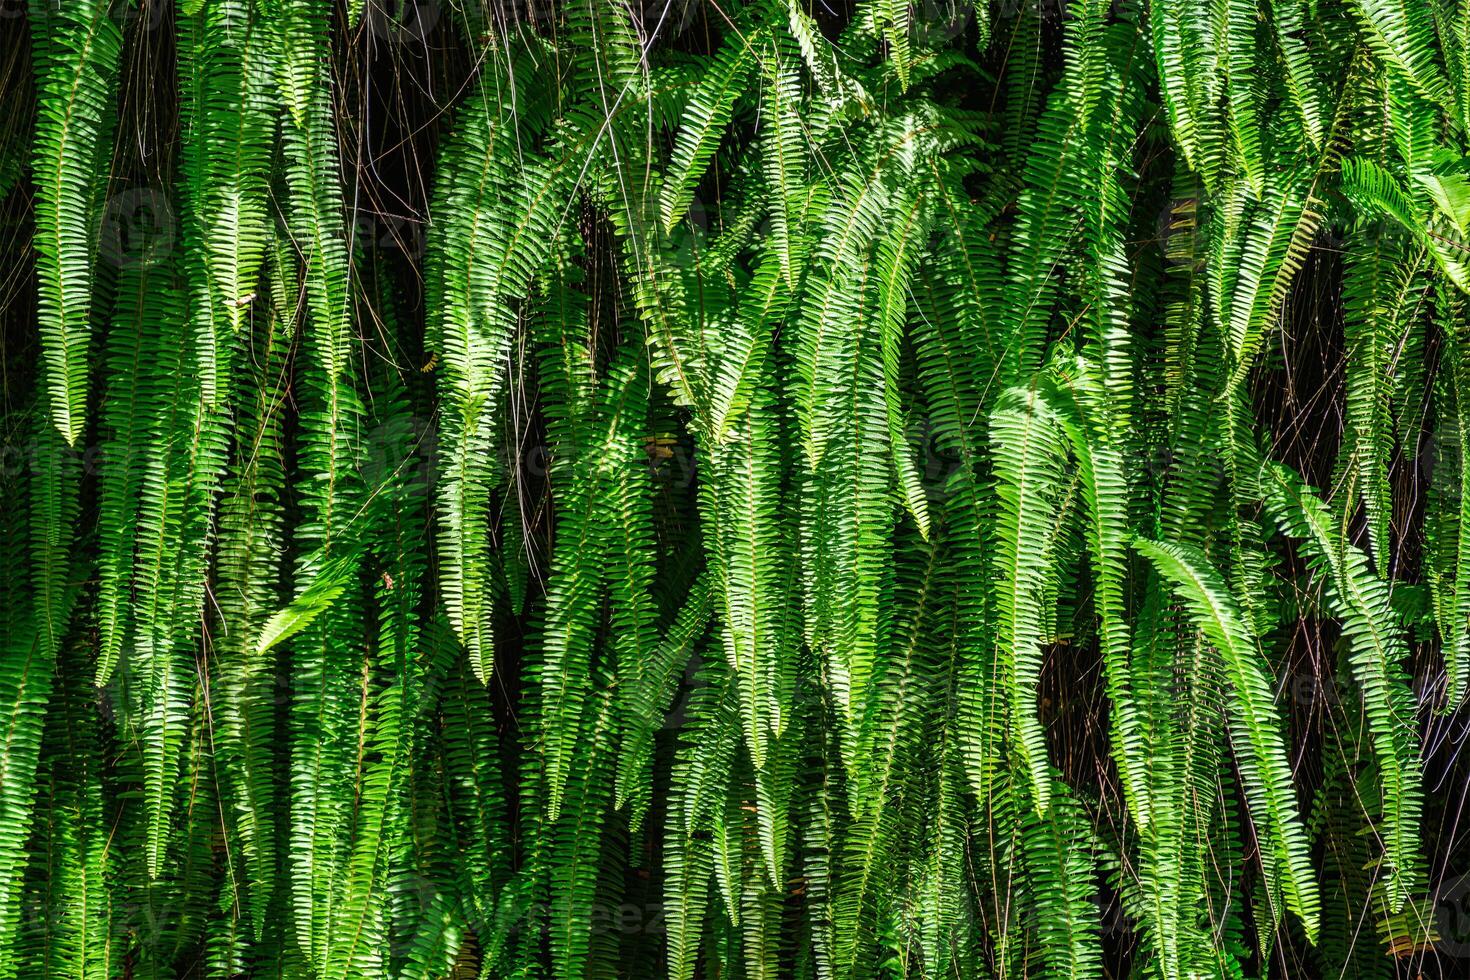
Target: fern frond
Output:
[
  {"x": 1029, "y": 459},
  {"x": 38, "y": 606},
  {"x": 1254, "y": 725},
  {"x": 77, "y": 47},
  {"x": 1402, "y": 35},
  {"x": 711, "y": 105},
  {"x": 608, "y": 439},
  {"x": 1383, "y": 290},
  {"x": 1361, "y": 598}
]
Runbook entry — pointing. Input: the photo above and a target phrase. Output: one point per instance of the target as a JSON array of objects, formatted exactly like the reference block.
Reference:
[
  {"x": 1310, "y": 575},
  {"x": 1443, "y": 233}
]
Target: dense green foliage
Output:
[{"x": 924, "y": 490}]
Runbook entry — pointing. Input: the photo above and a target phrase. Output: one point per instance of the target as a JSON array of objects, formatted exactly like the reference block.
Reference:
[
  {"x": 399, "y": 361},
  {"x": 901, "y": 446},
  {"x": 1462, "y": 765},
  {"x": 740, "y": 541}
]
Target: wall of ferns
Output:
[{"x": 750, "y": 489}]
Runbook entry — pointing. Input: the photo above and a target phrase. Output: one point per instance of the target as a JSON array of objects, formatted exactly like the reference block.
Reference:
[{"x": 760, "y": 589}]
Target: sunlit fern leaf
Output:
[
  {"x": 173, "y": 515},
  {"x": 1187, "y": 49},
  {"x": 1254, "y": 725},
  {"x": 1347, "y": 864},
  {"x": 817, "y": 805},
  {"x": 760, "y": 916},
  {"x": 709, "y": 740},
  {"x": 1376, "y": 191},
  {"x": 819, "y": 55},
  {"x": 434, "y": 948},
  {"x": 892, "y": 19},
  {"x": 956, "y": 331},
  {"x": 193, "y": 873},
  {"x": 711, "y": 105},
  {"x": 576, "y": 837},
  {"x": 1181, "y": 729},
  {"x": 76, "y": 49},
  {"x": 1289, "y": 19},
  {"x": 784, "y": 156},
  {"x": 1180, "y": 734},
  {"x": 941, "y": 908},
  {"x": 727, "y": 829},
  {"x": 607, "y": 438},
  {"x": 749, "y": 545},
  {"x": 1060, "y": 885},
  {"x": 1402, "y": 34},
  {"x": 1043, "y": 235},
  {"x": 665, "y": 279},
  {"x": 843, "y": 420},
  {"x": 1441, "y": 175},
  {"x": 497, "y": 227},
  {"x": 1384, "y": 290},
  {"x": 896, "y": 259},
  {"x": 1361, "y": 599},
  {"x": 174, "y": 528},
  {"x": 324, "y": 738},
  {"x": 847, "y": 516},
  {"x": 1410, "y": 121},
  {"x": 76, "y": 845},
  {"x": 1106, "y": 288},
  {"x": 476, "y": 803},
  {"x": 1455, "y": 47},
  {"x": 326, "y": 579},
  {"x": 609, "y": 67},
  {"x": 1028, "y": 452},
  {"x": 1242, "y": 60},
  {"x": 748, "y": 541},
  {"x": 837, "y": 287},
  {"x": 955, "y": 383},
  {"x": 318, "y": 230},
  {"x": 181, "y": 404},
  {"x": 634, "y": 616},
  {"x": 147, "y": 297},
  {"x": 1086, "y": 412},
  {"x": 328, "y": 715},
  {"x": 227, "y": 65},
  {"x": 362, "y": 926},
  {"x": 248, "y": 568},
  {"x": 744, "y": 350},
  {"x": 891, "y": 738},
  {"x": 1263, "y": 254}
]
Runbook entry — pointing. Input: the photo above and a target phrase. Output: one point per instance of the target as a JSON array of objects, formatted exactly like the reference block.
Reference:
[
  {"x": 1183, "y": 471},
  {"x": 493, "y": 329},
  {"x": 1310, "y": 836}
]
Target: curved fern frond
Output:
[
  {"x": 1254, "y": 725},
  {"x": 1085, "y": 414},
  {"x": 608, "y": 441},
  {"x": 1376, "y": 191},
  {"x": 1402, "y": 35},
  {"x": 227, "y": 62},
  {"x": 248, "y": 569},
  {"x": 1362, "y": 599},
  {"x": 711, "y": 105}
]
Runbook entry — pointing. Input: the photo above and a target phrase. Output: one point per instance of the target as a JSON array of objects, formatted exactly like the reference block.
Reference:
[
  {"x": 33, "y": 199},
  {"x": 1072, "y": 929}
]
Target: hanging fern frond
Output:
[
  {"x": 38, "y": 604},
  {"x": 1402, "y": 35},
  {"x": 710, "y": 108},
  {"x": 76, "y": 48},
  {"x": 1254, "y": 724},
  {"x": 765, "y": 490},
  {"x": 1362, "y": 599},
  {"x": 1029, "y": 458}
]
